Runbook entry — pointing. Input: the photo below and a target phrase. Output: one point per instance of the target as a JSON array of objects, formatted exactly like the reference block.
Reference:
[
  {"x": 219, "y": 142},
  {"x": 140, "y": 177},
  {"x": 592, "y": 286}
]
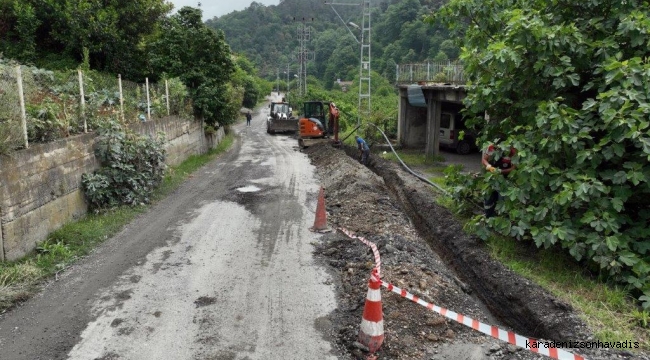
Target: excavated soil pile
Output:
[{"x": 424, "y": 251}]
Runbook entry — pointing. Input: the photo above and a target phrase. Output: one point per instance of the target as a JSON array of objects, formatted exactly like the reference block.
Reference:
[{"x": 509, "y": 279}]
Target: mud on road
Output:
[{"x": 424, "y": 250}]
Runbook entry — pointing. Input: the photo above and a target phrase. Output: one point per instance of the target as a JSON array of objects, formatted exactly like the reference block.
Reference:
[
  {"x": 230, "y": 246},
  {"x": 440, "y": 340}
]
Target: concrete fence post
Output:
[
  {"x": 167, "y": 95},
  {"x": 2, "y": 244},
  {"x": 82, "y": 99},
  {"x": 148, "y": 101},
  {"x": 119, "y": 83},
  {"x": 21, "y": 97},
  {"x": 396, "y": 73}
]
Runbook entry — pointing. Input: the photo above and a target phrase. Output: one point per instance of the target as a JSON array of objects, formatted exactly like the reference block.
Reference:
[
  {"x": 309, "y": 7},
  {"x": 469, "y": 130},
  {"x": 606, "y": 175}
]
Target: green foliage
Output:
[
  {"x": 200, "y": 57},
  {"x": 398, "y": 34},
  {"x": 569, "y": 86},
  {"x": 85, "y": 62},
  {"x": 459, "y": 184},
  {"x": 112, "y": 31},
  {"x": 53, "y": 108},
  {"x": 449, "y": 49},
  {"x": 132, "y": 166},
  {"x": 245, "y": 79},
  {"x": 44, "y": 123},
  {"x": 25, "y": 29}
]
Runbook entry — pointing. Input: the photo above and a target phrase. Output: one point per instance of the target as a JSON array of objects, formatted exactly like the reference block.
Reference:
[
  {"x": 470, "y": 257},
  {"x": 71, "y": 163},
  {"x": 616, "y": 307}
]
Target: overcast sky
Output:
[{"x": 212, "y": 8}]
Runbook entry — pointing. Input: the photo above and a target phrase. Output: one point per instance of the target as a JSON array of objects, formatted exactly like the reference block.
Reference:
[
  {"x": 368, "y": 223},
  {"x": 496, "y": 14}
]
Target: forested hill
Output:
[{"x": 268, "y": 36}]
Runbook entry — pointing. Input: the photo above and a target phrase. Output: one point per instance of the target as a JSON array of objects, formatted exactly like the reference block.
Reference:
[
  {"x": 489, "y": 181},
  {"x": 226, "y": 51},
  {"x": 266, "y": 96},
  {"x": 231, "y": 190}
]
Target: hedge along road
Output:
[{"x": 222, "y": 269}]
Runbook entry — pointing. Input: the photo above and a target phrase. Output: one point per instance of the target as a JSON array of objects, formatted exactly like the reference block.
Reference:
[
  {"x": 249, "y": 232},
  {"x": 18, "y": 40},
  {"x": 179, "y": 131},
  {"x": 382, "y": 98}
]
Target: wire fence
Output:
[
  {"x": 39, "y": 105},
  {"x": 440, "y": 73}
]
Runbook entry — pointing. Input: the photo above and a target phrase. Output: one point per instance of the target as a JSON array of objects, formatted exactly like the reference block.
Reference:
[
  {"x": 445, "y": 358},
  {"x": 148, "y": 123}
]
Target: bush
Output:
[
  {"x": 132, "y": 166},
  {"x": 569, "y": 87}
]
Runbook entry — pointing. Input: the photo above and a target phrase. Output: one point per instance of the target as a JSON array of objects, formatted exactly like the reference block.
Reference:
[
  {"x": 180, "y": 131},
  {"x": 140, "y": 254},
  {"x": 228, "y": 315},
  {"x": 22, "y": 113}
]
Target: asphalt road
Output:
[{"x": 221, "y": 269}]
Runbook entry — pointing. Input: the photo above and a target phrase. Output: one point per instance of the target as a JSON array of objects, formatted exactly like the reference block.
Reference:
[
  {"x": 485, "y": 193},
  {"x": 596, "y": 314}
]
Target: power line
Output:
[
  {"x": 304, "y": 36},
  {"x": 364, "y": 109}
]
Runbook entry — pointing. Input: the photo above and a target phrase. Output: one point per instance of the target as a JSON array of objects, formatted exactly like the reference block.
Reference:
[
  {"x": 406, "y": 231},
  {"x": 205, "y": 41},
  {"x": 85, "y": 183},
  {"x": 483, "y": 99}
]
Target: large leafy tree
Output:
[
  {"x": 569, "y": 83},
  {"x": 112, "y": 31},
  {"x": 199, "y": 56},
  {"x": 246, "y": 78}
]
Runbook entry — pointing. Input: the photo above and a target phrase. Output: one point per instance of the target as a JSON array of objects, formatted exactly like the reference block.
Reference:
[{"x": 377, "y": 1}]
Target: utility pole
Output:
[
  {"x": 277, "y": 82},
  {"x": 287, "y": 79},
  {"x": 364, "y": 67},
  {"x": 364, "y": 56},
  {"x": 304, "y": 36}
]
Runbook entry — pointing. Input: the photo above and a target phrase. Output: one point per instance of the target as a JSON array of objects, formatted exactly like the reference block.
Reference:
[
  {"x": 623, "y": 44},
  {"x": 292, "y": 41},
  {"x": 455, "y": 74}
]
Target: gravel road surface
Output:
[{"x": 221, "y": 269}]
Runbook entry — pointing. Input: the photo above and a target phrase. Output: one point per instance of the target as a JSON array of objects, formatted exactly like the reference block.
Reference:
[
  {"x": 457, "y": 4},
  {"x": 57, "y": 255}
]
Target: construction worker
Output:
[
  {"x": 364, "y": 150},
  {"x": 497, "y": 160}
]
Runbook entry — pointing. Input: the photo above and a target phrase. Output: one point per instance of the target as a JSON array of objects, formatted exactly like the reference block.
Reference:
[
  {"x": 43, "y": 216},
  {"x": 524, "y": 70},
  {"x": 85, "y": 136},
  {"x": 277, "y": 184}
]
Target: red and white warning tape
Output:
[
  {"x": 493, "y": 331},
  {"x": 370, "y": 244}
]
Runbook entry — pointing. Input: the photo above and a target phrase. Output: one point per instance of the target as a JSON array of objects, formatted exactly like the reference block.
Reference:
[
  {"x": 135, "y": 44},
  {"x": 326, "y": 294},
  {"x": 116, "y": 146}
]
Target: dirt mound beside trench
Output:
[{"x": 424, "y": 251}]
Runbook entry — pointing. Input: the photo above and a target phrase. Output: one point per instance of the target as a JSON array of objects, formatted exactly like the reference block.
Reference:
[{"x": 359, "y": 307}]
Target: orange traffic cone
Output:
[
  {"x": 372, "y": 324},
  {"x": 320, "y": 224}
]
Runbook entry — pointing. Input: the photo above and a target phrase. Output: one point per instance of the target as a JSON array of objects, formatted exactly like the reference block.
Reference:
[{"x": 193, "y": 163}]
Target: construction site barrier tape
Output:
[
  {"x": 493, "y": 331},
  {"x": 372, "y": 246}
]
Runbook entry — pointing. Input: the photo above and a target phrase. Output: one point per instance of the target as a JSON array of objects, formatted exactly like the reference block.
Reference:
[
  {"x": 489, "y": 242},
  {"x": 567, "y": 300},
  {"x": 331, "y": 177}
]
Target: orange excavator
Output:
[{"x": 316, "y": 126}]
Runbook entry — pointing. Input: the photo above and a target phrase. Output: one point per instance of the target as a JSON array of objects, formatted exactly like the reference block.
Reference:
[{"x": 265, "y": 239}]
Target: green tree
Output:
[
  {"x": 113, "y": 31},
  {"x": 569, "y": 83},
  {"x": 450, "y": 49},
  {"x": 390, "y": 25},
  {"x": 414, "y": 36},
  {"x": 245, "y": 77},
  {"x": 343, "y": 61},
  {"x": 25, "y": 28},
  {"x": 324, "y": 46},
  {"x": 200, "y": 57}
]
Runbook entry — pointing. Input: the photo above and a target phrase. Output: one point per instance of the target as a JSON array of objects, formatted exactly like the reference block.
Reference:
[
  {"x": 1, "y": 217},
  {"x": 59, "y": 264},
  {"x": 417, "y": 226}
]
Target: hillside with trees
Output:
[{"x": 267, "y": 35}]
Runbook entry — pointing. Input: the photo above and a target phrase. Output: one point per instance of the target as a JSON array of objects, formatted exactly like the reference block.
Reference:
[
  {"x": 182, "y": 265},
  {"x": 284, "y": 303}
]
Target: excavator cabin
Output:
[{"x": 319, "y": 121}]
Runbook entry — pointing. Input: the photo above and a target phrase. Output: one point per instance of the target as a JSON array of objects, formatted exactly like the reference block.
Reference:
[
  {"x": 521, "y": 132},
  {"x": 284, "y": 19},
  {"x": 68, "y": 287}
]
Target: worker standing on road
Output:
[
  {"x": 248, "y": 118},
  {"x": 364, "y": 150},
  {"x": 496, "y": 159}
]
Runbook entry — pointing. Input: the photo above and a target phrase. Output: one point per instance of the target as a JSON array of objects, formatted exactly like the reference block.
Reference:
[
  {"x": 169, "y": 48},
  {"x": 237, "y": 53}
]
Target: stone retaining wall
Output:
[{"x": 40, "y": 187}]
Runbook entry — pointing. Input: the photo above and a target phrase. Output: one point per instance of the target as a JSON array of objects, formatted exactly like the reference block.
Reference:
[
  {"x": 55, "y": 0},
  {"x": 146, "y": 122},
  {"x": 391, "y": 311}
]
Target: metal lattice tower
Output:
[
  {"x": 364, "y": 66},
  {"x": 364, "y": 57},
  {"x": 304, "y": 35}
]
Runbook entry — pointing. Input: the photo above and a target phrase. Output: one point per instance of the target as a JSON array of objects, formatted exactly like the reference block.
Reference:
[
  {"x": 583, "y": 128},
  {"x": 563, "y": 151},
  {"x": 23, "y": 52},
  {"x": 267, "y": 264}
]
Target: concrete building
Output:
[{"x": 420, "y": 109}]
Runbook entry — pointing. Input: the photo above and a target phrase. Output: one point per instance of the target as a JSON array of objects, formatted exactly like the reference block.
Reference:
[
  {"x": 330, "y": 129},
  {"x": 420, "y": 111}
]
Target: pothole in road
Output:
[
  {"x": 248, "y": 189},
  {"x": 205, "y": 301}
]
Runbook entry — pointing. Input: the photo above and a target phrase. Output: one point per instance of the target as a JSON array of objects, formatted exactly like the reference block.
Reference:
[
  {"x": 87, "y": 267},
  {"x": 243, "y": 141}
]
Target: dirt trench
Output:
[
  {"x": 425, "y": 250},
  {"x": 514, "y": 300}
]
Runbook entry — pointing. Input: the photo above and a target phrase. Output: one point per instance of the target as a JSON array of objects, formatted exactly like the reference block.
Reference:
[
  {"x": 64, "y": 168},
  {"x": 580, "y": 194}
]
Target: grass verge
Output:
[
  {"x": 20, "y": 279},
  {"x": 416, "y": 158},
  {"x": 609, "y": 311}
]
